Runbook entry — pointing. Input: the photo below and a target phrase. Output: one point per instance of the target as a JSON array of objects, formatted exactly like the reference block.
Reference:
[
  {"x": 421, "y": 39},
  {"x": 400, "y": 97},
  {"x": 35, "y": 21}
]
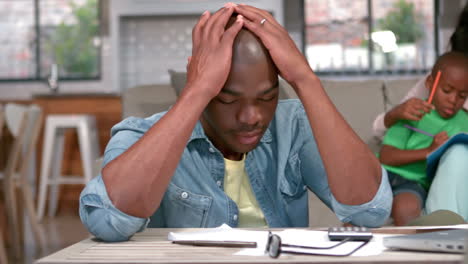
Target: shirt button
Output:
[
  {"x": 211, "y": 150},
  {"x": 218, "y": 183},
  {"x": 184, "y": 195},
  {"x": 234, "y": 217}
]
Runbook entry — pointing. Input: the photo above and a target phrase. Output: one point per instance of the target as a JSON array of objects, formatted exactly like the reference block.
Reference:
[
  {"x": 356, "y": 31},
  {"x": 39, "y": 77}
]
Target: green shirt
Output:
[{"x": 401, "y": 137}]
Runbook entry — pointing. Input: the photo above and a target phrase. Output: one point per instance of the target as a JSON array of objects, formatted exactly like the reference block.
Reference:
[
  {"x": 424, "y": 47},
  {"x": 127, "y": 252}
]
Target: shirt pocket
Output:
[
  {"x": 185, "y": 208},
  {"x": 291, "y": 186}
]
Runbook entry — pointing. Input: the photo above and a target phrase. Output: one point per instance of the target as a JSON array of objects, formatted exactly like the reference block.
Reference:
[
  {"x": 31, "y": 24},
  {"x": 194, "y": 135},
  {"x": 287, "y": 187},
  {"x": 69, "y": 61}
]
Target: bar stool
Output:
[{"x": 52, "y": 154}]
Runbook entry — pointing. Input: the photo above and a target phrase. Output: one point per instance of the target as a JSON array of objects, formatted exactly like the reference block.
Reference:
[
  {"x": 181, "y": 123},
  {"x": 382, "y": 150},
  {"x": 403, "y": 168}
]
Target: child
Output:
[{"x": 404, "y": 150}]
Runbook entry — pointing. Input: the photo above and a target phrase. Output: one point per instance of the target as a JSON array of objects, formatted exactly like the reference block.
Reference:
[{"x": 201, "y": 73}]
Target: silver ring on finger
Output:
[{"x": 263, "y": 21}]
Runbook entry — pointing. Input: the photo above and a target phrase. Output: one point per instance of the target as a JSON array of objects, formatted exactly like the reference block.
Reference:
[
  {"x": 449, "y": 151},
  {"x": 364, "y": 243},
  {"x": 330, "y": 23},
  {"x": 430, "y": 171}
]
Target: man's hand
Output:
[
  {"x": 439, "y": 139},
  {"x": 413, "y": 109},
  {"x": 292, "y": 65},
  {"x": 210, "y": 63}
]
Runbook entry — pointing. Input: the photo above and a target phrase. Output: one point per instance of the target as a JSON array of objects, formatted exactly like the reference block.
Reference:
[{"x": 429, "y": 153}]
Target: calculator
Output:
[{"x": 349, "y": 233}]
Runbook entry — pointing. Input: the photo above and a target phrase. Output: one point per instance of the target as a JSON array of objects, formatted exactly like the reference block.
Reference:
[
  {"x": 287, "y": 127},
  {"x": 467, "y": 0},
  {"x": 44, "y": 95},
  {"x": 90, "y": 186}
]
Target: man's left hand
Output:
[{"x": 292, "y": 65}]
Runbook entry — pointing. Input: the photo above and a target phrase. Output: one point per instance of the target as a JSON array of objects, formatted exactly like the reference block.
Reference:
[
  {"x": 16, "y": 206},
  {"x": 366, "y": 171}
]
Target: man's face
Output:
[
  {"x": 451, "y": 92},
  {"x": 237, "y": 118}
]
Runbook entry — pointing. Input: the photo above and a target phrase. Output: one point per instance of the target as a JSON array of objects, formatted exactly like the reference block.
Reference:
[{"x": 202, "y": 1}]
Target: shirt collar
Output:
[{"x": 199, "y": 133}]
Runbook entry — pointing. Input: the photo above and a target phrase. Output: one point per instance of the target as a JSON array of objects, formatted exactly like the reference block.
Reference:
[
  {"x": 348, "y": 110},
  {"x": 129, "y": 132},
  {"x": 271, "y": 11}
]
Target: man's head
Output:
[
  {"x": 236, "y": 119},
  {"x": 452, "y": 90}
]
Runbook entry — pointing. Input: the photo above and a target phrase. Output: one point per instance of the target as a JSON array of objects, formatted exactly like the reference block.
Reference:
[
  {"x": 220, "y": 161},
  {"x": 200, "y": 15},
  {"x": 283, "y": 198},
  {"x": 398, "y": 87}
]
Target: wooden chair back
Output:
[
  {"x": 3, "y": 255},
  {"x": 24, "y": 123}
]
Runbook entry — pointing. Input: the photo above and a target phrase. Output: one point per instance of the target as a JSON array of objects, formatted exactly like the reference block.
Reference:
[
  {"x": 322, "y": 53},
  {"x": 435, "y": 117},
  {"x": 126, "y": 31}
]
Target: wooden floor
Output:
[{"x": 61, "y": 231}]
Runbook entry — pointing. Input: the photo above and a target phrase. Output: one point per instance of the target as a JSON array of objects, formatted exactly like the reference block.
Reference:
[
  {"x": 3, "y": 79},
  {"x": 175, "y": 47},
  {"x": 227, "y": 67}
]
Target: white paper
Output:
[
  {"x": 320, "y": 239},
  {"x": 221, "y": 233},
  {"x": 289, "y": 236}
]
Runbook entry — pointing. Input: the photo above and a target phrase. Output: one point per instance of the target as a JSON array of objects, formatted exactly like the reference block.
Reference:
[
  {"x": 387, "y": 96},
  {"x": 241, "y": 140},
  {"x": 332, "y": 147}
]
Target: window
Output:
[
  {"x": 36, "y": 34},
  {"x": 370, "y": 36}
]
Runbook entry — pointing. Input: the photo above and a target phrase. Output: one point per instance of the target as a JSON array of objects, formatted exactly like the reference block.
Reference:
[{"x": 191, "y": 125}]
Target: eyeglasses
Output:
[{"x": 274, "y": 247}]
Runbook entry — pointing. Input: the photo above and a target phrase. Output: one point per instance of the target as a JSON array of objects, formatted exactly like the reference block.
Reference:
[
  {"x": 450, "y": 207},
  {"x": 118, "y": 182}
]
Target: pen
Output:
[
  {"x": 419, "y": 130},
  {"x": 434, "y": 87},
  {"x": 212, "y": 243}
]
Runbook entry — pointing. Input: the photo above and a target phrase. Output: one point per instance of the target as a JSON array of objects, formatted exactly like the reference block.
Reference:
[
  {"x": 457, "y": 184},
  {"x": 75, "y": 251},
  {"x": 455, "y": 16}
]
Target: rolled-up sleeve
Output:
[
  {"x": 102, "y": 218},
  {"x": 371, "y": 214},
  {"x": 98, "y": 214}
]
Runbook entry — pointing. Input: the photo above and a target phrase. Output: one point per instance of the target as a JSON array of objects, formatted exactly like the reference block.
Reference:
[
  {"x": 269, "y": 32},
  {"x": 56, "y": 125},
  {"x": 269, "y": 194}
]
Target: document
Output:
[
  {"x": 221, "y": 234},
  {"x": 301, "y": 237}
]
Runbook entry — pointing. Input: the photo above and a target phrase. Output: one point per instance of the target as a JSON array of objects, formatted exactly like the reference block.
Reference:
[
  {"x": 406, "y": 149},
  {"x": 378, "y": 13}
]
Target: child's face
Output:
[{"x": 451, "y": 91}]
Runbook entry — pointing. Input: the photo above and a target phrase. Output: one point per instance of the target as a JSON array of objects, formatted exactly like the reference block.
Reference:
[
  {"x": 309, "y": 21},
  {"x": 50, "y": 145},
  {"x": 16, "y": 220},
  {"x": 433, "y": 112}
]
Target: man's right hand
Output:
[
  {"x": 210, "y": 63},
  {"x": 413, "y": 109}
]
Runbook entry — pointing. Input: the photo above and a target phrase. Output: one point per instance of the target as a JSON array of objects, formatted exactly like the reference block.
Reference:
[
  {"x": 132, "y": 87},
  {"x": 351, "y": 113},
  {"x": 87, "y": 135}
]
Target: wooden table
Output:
[{"x": 151, "y": 246}]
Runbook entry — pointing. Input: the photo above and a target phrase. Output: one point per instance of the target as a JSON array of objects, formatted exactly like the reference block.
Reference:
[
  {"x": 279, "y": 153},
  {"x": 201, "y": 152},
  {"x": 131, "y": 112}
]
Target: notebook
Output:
[
  {"x": 453, "y": 241},
  {"x": 434, "y": 157}
]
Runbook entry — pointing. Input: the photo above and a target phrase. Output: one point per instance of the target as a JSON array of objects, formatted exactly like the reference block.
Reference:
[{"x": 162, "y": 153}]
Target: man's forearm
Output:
[
  {"x": 137, "y": 180},
  {"x": 354, "y": 172}
]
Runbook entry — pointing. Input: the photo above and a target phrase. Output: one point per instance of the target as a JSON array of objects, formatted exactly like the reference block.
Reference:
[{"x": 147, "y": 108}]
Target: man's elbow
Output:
[
  {"x": 100, "y": 223},
  {"x": 375, "y": 217},
  {"x": 375, "y": 212}
]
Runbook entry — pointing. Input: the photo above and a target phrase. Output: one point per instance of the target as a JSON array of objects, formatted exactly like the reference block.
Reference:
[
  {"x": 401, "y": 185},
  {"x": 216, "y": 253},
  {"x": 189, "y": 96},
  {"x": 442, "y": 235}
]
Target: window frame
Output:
[
  {"x": 37, "y": 59},
  {"x": 371, "y": 71}
]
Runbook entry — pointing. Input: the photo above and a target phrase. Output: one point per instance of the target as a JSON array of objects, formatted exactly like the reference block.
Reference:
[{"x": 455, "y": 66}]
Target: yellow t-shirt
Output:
[{"x": 237, "y": 187}]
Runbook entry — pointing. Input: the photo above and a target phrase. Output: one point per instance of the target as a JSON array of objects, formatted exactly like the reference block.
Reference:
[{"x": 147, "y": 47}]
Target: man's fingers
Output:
[
  {"x": 230, "y": 34},
  {"x": 254, "y": 27},
  {"x": 214, "y": 22},
  {"x": 255, "y": 15},
  {"x": 197, "y": 29},
  {"x": 220, "y": 24},
  {"x": 266, "y": 33},
  {"x": 251, "y": 13}
]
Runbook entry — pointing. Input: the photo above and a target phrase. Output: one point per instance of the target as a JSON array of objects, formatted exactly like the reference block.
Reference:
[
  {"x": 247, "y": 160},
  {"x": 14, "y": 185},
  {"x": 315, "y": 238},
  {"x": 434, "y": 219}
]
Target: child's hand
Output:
[
  {"x": 412, "y": 109},
  {"x": 439, "y": 139}
]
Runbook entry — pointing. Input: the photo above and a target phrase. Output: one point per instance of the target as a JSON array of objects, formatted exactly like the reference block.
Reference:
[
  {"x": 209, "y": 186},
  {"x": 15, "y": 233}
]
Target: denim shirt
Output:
[{"x": 281, "y": 168}]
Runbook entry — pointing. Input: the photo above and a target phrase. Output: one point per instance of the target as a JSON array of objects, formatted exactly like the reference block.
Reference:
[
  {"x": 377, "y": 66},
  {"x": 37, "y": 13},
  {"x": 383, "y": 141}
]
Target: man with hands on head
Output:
[{"x": 228, "y": 152}]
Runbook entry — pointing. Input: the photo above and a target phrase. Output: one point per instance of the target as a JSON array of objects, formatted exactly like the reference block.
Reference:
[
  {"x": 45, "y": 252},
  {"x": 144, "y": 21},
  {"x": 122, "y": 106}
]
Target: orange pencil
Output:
[{"x": 434, "y": 86}]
